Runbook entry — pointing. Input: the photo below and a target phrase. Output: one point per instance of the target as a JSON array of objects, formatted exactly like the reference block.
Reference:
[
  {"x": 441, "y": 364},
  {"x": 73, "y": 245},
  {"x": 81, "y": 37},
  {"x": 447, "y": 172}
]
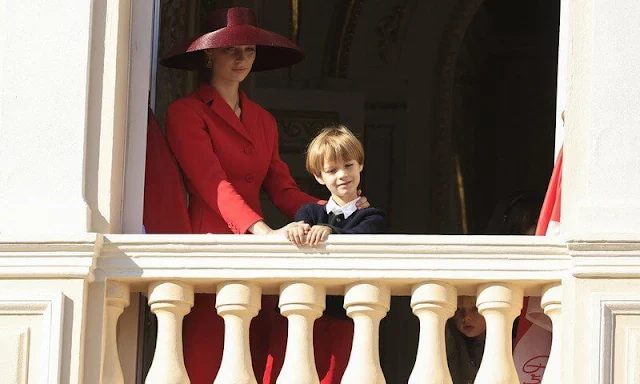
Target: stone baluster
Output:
[
  {"x": 551, "y": 303},
  {"x": 170, "y": 301},
  {"x": 433, "y": 303},
  {"x": 499, "y": 303},
  {"x": 366, "y": 304},
  {"x": 301, "y": 304},
  {"x": 237, "y": 303},
  {"x": 117, "y": 298}
]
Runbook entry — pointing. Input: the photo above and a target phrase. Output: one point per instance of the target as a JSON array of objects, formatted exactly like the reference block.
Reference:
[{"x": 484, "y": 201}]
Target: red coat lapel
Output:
[
  {"x": 220, "y": 107},
  {"x": 249, "y": 114}
]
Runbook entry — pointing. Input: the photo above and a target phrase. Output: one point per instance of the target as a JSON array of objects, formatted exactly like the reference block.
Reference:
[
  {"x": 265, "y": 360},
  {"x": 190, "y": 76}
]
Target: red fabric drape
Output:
[{"x": 165, "y": 206}]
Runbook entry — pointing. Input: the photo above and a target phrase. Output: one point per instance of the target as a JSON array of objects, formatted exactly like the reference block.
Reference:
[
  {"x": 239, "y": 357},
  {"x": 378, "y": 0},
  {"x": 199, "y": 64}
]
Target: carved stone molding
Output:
[
  {"x": 389, "y": 28},
  {"x": 605, "y": 310},
  {"x": 43, "y": 314},
  {"x": 602, "y": 258},
  {"x": 298, "y": 128},
  {"x": 346, "y": 20},
  {"x": 63, "y": 256},
  {"x": 443, "y": 151}
]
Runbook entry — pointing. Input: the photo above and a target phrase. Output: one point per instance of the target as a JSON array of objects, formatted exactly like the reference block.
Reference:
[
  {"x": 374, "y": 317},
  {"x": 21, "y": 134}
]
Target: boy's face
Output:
[
  {"x": 341, "y": 179},
  {"x": 467, "y": 319}
]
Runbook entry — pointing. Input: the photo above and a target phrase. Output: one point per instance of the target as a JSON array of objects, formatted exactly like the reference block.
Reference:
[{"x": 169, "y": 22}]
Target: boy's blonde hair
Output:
[{"x": 333, "y": 143}]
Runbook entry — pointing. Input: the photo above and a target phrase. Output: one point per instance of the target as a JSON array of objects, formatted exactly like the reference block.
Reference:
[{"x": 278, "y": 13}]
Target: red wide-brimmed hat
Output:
[{"x": 230, "y": 27}]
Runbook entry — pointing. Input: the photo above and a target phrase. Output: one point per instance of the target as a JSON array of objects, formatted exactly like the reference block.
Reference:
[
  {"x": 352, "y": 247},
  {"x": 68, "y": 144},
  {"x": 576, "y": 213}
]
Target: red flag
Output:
[
  {"x": 549, "y": 221},
  {"x": 533, "y": 338}
]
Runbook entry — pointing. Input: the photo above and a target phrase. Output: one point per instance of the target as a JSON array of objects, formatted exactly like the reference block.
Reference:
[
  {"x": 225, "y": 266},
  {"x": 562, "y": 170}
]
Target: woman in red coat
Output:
[{"x": 227, "y": 148}]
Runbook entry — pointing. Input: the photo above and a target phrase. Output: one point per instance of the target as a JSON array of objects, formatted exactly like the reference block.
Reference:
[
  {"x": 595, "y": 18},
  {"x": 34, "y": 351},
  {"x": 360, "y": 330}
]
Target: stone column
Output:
[
  {"x": 170, "y": 302},
  {"x": 600, "y": 199},
  {"x": 118, "y": 297},
  {"x": 600, "y": 176},
  {"x": 301, "y": 304},
  {"x": 237, "y": 303},
  {"x": 366, "y": 304},
  {"x": 552, "y": 305},
  {"x": 499, "y": 303},
  {"x": 433, "y": 303}
]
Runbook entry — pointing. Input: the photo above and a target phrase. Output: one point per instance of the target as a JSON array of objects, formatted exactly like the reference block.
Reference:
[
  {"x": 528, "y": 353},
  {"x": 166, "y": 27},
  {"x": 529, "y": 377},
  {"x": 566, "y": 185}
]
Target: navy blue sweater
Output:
[{"x": 368, "y": 220}]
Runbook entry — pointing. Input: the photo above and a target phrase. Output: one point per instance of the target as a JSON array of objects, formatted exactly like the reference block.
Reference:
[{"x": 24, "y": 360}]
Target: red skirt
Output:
[{"x": 204, "y": 337}]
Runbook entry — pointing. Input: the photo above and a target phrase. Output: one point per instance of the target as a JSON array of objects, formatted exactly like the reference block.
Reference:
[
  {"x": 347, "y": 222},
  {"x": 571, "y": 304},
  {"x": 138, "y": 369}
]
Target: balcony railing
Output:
[{"x": 366, "y": 269}]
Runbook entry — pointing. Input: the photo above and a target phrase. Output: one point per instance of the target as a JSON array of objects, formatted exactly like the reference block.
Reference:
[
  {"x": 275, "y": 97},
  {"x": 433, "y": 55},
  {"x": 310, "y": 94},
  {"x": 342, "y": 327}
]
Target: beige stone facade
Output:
[{"x": 73, "y": 99}]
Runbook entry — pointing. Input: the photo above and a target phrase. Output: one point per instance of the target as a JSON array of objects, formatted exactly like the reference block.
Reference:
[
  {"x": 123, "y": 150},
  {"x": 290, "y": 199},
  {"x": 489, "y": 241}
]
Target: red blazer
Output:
[{"x": 226, "y": 161}]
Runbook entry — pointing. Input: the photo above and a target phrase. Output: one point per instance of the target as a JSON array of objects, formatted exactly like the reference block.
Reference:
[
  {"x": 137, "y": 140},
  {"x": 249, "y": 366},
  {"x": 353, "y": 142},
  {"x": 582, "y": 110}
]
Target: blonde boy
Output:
[{"x": 335, "y": 158}]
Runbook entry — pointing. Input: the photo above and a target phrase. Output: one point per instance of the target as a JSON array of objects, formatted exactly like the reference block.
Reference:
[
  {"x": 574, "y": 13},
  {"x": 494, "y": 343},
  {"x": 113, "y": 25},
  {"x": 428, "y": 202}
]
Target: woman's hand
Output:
[
  {"x": 260, "y": 228},
  {"x": 295, "y": 232},
  {"x": 317, "y": 234},
  {"x": 362, "y": 202}
]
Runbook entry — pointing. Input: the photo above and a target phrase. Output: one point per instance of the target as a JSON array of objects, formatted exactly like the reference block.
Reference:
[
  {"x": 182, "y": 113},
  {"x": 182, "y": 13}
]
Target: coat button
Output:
[
  {"x": 249, "y": 178},
  {"x": 248, "y": 150}
]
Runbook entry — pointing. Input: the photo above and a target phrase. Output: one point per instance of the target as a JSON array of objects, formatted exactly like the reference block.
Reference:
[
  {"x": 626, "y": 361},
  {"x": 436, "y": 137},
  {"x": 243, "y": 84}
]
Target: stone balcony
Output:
[{"x": 366, "y": 269}]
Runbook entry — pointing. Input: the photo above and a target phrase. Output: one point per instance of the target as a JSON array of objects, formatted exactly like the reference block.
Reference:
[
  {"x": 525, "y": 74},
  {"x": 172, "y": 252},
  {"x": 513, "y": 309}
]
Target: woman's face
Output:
[{"x": 231, "y": 64}]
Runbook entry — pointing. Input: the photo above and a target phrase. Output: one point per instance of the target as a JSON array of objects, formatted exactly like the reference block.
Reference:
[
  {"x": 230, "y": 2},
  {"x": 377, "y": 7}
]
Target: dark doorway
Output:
[
  {"x": 502, "y": 109},
  {"x": 488, "y": 105}
]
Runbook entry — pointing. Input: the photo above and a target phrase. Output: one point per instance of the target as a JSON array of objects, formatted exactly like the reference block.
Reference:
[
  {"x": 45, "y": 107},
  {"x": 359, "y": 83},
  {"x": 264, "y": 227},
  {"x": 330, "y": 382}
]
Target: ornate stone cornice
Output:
[
  {"x": 49, "y": 256},
  {"x": 606, "y": 257}
]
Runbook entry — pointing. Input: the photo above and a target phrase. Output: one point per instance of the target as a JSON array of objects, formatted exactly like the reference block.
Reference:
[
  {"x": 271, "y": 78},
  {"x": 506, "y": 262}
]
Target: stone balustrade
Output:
[
  {"x": 499, "y": 271},
  {"x": 433, "y": 302}
]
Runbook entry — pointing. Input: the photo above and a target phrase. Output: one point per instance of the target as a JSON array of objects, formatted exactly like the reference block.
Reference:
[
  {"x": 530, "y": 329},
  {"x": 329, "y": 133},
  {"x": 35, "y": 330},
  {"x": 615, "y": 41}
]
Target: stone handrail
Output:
[{"x": 398, "y": 260}]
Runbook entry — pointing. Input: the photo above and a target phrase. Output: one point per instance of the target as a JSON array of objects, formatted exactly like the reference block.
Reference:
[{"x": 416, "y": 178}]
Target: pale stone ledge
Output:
[
  {"x": 270, "y": 260},
  {"x": 398, "y": 260},
  {"x": 610, "y": 256},
  {"x": 49, "y": 256}
]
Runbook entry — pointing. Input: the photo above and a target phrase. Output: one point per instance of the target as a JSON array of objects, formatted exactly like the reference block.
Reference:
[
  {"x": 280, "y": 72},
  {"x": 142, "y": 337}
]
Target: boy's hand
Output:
[
  {"x": 295, "y": 232},
  {"x": 317, "y": 234}
]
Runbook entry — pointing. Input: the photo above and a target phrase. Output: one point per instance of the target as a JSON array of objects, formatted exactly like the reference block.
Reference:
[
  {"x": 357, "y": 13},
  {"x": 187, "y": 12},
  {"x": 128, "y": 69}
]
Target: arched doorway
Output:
[{"x": 495, "y": 109}]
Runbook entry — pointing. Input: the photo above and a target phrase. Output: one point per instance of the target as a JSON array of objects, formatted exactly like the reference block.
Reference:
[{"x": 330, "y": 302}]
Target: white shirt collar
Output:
[{"x": 347, "y": 209}]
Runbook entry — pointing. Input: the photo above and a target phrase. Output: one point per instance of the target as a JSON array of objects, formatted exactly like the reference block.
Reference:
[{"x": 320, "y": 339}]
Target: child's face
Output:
[
  {"x": 467, "y": 319},
  {"x": 341, "y": 179}
]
